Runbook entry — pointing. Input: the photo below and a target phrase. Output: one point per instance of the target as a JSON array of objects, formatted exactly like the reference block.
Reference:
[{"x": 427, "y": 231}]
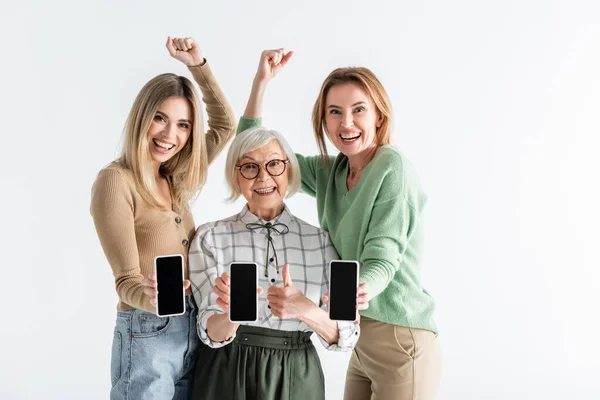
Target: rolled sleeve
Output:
[
  {"x": 348, "y": 334},
  {"x": 203, "y": 317},
  {"x": 348, "y": 331},
  {"x": 204, "y": 270}
]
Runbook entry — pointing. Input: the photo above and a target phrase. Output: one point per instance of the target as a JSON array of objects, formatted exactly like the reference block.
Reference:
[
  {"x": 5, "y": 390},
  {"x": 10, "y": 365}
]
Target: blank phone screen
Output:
[
  {"x": 342, "y": 291},
  {"x": 242, "y": 300},
  {"x": 169, "y": 278}
]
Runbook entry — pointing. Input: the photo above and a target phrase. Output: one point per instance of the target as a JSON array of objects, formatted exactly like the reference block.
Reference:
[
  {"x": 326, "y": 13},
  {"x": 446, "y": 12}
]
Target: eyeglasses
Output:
[{"x": 251, "y": 170}]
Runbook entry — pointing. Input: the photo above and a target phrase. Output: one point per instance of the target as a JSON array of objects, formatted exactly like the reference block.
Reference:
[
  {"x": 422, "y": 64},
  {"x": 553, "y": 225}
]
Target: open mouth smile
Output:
[
  {"x": 350, "y": 137},
  {"x": 265, "y": 191},
  {"x": 162, "y": 147}
]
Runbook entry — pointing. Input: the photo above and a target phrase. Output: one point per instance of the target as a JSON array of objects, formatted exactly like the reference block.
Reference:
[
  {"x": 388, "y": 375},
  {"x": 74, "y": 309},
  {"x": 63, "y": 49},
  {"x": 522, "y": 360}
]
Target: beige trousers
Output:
[{"x": 393, "y": 362}]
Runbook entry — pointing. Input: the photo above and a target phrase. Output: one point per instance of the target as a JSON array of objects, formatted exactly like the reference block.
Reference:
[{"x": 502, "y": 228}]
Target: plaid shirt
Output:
[{"x": 306, "y": 248}]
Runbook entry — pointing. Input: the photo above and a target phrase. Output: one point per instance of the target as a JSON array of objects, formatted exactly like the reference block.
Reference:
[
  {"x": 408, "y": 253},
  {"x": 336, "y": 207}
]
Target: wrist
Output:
[
  {"x": 199, "y": 64},
  {"x": 220, "y": 329},
  {"x": 260, "y": 83},
  {"x": 310, "y": 312}
]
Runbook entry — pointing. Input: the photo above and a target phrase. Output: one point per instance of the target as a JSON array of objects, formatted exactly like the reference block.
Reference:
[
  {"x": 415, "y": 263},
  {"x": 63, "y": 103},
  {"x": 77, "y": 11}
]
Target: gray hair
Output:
[{"x": 250, "y": 140}]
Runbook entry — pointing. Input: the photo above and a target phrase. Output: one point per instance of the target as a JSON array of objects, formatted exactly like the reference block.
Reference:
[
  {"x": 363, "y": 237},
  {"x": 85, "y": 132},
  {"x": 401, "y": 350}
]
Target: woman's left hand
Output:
[
  {"x": 185, "y": 50},
  {"x": 288, "y": 302},
  {"x": 362, "y": 299}
]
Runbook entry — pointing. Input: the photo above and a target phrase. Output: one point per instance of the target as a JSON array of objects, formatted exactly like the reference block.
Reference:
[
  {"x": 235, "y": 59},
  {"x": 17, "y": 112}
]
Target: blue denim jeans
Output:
[{"x": 153, "y": 357}]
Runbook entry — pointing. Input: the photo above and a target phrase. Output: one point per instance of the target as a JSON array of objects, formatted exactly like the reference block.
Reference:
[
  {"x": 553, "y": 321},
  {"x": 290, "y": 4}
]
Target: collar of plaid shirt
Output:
[
  {"x": 277, "y": 226},
  {"x": 284, "y": 218}
]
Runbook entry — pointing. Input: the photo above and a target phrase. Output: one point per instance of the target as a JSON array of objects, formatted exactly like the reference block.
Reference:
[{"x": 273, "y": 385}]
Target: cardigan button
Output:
[
  {"x": 185, "y": 242},
  {"x": 178, "y": 220}
]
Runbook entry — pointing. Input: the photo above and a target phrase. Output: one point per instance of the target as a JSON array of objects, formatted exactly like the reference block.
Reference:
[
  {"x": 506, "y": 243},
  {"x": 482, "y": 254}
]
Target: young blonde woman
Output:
[
  {"x": 140, "y": 206},
  {"x": 370, "y": 201}
]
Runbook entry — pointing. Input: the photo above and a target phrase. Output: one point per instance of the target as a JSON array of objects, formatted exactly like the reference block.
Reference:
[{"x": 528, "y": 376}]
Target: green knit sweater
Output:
[{"x": 379, "y": 223}]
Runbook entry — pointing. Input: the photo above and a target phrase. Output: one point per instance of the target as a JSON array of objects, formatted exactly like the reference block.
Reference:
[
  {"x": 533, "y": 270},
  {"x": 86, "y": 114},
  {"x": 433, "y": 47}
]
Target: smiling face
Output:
[
  {"x": 170, "y": 129},
  {"x": 351, "y": 119},
  {"x": 265, "y": 193}
]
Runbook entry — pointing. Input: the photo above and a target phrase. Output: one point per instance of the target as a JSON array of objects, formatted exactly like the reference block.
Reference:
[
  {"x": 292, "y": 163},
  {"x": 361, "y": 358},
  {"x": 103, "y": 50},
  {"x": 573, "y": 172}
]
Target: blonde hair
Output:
[
  {"x": 186, "y": 170},
  {"x": 250, "y": 140},
  {"x": 367, "y": 81}
]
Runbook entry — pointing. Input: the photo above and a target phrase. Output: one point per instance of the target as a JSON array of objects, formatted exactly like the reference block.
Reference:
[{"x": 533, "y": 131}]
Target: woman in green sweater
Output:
[{"x": 370, "y": 201}]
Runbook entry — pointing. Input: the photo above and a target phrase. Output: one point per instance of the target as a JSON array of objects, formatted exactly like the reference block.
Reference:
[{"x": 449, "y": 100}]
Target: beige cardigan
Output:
[{"x": 133, "y": 232}]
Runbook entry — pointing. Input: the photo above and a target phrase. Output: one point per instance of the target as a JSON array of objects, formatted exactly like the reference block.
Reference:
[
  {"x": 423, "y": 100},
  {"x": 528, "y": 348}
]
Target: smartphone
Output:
[
  {"x": 343, "y": 284},
  {"x": 243, "y": 296},
  {"x": 169, "y": 278}
]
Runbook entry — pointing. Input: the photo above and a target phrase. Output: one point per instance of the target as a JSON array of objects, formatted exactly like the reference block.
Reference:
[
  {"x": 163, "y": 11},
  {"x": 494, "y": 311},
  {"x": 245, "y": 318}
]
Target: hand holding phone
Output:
[
  {"x": 343, "y": 290},
  {"x": 170, "y": 285},
  {"x": 243, "y": 293},
  {"x": 150, "y": 287},
  {"x": 223, "y": 291},
  {"x": 362, "y": 301}
]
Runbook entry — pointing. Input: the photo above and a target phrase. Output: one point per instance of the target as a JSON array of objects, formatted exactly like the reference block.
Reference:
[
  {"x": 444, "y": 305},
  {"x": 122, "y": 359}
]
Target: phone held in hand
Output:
[
  {"x": 343, "y": 285},
  {"x": 243, "y": 296},
  {"x": 170, "y": 299}
]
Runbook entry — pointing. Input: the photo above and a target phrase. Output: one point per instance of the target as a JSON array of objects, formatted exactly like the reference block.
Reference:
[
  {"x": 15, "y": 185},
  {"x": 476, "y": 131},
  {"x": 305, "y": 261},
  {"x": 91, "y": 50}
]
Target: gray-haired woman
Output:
[{"x": 272, "y": 358}]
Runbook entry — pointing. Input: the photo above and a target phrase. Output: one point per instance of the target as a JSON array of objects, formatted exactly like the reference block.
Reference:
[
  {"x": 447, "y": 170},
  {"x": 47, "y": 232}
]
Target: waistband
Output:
[
  {"x": 272, "y": 338},
  {"x": 190, "y": 305}
]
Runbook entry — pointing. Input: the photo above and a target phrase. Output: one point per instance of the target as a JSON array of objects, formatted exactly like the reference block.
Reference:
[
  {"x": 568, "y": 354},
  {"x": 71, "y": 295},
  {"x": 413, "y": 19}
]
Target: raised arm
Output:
[
  {"x": 270, "y": 64},
  {"x": 221, "y": 119}
]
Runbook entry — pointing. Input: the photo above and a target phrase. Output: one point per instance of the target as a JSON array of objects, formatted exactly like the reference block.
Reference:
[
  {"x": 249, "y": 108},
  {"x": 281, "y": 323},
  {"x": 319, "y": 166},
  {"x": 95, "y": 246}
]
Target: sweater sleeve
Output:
[
  {"x": 112, "y": 210},
  {"x": 393, "y": 217},
  {"x": 221, "y": 120},
  {"x": 308, "y": 172},
  {"x": 248, "y": 123}
]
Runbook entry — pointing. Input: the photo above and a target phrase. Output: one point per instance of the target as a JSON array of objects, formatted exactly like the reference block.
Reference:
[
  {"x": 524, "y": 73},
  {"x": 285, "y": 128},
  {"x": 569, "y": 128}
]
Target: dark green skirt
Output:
[{"x": 260, "y": 364}]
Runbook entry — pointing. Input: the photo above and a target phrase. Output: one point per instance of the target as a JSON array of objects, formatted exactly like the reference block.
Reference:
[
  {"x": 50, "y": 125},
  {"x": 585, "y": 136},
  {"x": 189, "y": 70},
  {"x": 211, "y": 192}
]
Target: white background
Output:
[{"x": 497, "y": 103}]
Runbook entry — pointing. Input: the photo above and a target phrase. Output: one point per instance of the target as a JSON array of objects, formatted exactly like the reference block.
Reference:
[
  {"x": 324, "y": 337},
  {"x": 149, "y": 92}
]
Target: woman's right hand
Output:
[
  {"x": 150, "y": 287},
  {"x": 271, "y": 63},
  {"x": 222, "y": 289}
]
